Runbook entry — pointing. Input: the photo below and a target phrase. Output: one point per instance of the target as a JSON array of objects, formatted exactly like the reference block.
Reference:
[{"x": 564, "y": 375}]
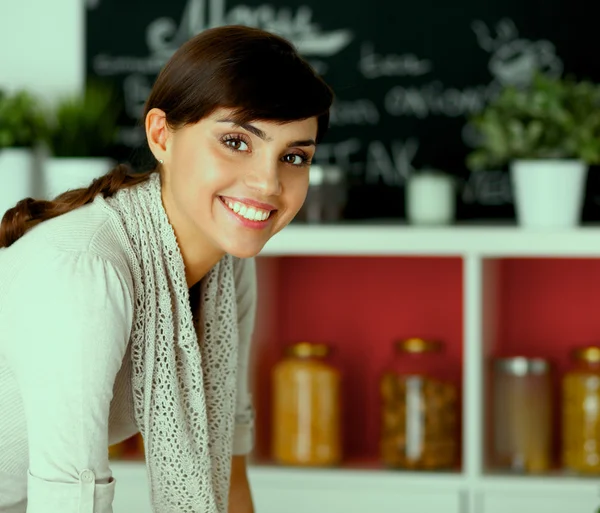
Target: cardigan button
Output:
[{"x": 87, "y": 476}]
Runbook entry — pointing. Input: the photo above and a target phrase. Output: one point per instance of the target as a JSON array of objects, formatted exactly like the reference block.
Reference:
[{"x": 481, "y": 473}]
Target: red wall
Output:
[{"x": 547, "y": 307}]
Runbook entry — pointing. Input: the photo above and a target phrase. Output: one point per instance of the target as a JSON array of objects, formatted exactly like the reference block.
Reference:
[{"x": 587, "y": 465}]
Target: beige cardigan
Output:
[{"x": 66, "y": 309}]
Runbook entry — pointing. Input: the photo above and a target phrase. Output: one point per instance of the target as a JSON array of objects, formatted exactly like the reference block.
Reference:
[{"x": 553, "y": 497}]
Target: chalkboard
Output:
[{"x": 406, "y": 77}]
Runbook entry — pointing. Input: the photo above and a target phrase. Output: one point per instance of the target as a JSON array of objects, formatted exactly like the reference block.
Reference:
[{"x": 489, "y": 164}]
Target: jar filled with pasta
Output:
[
  {"x": 306, "y": 407},
  {"x": 581, "y": 412},
  {"x": 418, "y": 409}
]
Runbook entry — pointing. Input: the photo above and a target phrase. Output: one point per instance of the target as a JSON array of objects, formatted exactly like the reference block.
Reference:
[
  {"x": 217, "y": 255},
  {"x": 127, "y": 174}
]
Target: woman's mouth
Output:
[{"x": 250, "y": 214}]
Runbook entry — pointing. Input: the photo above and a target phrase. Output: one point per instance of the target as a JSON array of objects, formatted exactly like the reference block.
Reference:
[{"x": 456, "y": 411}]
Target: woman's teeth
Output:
[{"x": 250, "y": 213}]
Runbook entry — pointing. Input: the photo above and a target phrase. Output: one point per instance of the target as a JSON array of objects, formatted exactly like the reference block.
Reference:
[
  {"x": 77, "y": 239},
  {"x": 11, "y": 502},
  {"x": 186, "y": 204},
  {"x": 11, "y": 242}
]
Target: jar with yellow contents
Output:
[
  {"x": 116, "y": 451},
  {"x": 581, "y": 412},
  {"x": 306, "y": 407},
  {"x": 418, "y": 409}
]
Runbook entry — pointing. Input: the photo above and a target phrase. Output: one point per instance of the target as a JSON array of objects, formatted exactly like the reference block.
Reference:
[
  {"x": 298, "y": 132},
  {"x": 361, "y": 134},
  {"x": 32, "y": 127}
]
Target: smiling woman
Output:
[
  {"x": 129, "y": 306},
  {"x": 217, "y": 162}
]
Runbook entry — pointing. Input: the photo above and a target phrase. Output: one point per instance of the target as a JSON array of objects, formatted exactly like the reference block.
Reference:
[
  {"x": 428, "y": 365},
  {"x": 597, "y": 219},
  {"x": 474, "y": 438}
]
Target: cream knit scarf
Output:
[{"x": 183, "y": 380}]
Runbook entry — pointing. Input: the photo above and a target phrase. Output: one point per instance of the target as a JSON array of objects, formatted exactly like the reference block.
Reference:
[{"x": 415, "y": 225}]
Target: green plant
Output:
[
  {"x": 553, "y": 118},
  {"x": 22, "y": 121},
  {"x": 85, "y": 125}
]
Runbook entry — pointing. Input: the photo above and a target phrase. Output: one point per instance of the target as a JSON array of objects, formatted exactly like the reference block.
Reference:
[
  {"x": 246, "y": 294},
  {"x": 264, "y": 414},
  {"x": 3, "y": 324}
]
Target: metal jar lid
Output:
[
  {"x": 590, "y": 354},
  {"x": 521, "y": 366},
  {"x": 307, "y": 350},
  {"x": 418, "y": 345}
]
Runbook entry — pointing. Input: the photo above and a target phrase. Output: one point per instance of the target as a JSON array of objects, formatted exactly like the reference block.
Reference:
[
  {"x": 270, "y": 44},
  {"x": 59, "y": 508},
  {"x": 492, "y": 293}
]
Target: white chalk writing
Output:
[
  {"x": 434, "y": 99},
  {"x": 136, "y": 89},
  {"x": 320, "y": 66},
  {"x": 106, "y": 65},
  {"x": 131, "y": 136},
  {"x": 373, "y": 65},
  {"x": 490, "y": 188},
  {"x": 378, "y": 164},
  {"x": 390, "y": 168},
  {"x": 354, "y": 112},
  {"x": 164, "y": 36},
  {"x": 340, "y": 153}
]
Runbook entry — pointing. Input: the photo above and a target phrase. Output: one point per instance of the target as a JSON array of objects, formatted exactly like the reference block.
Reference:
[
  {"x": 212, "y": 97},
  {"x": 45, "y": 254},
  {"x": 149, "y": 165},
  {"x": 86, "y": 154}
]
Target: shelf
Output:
[
  {"x": 359, "y": 307},
  {"x": 290, "y": 490},
  {"x": 277, "y": 489},
  {"x": 543, "y": 308},
  {"x": 357, "y": 469},
  {"x": 553, "y": 480},
  {"x": 137, "y": 469},
  {"x": 459, "y": 240}
]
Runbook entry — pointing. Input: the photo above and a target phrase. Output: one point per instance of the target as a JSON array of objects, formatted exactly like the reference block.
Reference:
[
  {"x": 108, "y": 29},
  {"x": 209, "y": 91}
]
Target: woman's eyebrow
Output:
[
  {"x": 262, "y": 135},
  {"x": 305, "y": 142},
  {"x": 248, "y": 127}
]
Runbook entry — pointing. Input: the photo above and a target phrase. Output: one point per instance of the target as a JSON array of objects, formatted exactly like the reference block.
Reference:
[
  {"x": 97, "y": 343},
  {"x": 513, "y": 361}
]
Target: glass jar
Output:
[
  {"x": 116, "y": 451},
  {"x": 581, "y": 412},
  {"x": 306, "y": 407},
  {"x": 522, "y": 414},
  {"x": 140, "y": 450},
  {"x": 418, "y": 409}
]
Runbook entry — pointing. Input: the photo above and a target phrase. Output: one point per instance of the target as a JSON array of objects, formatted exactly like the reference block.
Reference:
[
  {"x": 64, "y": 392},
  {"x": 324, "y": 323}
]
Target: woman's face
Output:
[{"x": 230, "y": 188}]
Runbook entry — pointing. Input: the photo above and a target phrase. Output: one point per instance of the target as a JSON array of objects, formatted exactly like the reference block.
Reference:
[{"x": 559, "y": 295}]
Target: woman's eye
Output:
[
  {"x": 236, "y": 144},
  {"x": 295, "y": 159}
]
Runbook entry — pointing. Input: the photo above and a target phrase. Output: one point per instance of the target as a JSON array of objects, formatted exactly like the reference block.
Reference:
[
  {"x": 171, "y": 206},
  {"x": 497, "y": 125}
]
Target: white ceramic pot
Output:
[
  {"x": 62, "y": 174},
  {"x": 18, "y": 176},
  {"x": 548, "y": 194},
  {"x": 430, "y": 198}
]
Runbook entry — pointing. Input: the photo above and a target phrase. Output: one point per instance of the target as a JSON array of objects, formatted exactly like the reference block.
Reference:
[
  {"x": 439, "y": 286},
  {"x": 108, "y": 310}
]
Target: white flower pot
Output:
[
  {"x": 18, "y": 176},
  {"x": 548, "y": 193},
  {"x": 63, "y": 174},
  {"x": 430, "y": 198}
]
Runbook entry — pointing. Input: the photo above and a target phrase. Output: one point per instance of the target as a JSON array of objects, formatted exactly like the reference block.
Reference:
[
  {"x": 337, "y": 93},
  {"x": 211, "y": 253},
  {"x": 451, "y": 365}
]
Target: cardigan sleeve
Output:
[
  {"x": 243, "y": 440},
  {"x": 69, "y": 328}
]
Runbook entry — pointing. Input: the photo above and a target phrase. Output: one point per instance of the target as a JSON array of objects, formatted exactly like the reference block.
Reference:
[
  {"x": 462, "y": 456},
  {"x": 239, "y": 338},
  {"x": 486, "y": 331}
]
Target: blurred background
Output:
[{"x": 427, "y": 336}]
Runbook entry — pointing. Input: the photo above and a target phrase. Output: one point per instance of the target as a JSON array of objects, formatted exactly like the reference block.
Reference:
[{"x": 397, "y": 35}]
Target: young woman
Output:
[{"x": 129, "y": 306}]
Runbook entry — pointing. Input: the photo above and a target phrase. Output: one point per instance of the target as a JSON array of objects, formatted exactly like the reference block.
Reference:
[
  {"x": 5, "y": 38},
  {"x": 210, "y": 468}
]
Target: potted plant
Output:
[
  {"x": 82, "y": 130},
  {"x": 22, "y": 127},
  {"x": 548, "y": 133}
]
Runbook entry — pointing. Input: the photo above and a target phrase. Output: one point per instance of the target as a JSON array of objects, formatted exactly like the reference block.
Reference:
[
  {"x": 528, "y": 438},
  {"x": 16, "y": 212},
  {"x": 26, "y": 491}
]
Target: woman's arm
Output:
[
  {"x": 240, "y": 497},
  {"x": 69, "y": 325}
]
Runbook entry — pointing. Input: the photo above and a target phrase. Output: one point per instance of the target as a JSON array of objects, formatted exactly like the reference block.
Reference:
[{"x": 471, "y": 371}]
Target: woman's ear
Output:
[{"x": 157, "y": 134}]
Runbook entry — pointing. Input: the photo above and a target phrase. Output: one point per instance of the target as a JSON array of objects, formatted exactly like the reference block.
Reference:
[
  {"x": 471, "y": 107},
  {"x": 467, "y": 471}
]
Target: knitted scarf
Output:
[{"x": 183, "y": 377}]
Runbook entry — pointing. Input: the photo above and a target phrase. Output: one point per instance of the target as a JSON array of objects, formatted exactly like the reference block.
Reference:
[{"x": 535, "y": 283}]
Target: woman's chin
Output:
[{"x": 244, "y": 250}]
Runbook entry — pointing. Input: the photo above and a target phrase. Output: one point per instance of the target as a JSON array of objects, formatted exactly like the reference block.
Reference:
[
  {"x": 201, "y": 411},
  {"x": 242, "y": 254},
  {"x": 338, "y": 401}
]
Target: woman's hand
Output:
[{"x": 240, "y": 497}]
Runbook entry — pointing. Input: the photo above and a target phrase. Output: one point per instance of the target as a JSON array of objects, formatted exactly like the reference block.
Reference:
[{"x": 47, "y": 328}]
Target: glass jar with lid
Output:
[
  {"x": 581, "y": 412},
  {"x": 418, "y": 409},
  {"x": 522, "y": 418},
  {"x": 116, "y": 451},
  {"x": 306, "y": 407}
]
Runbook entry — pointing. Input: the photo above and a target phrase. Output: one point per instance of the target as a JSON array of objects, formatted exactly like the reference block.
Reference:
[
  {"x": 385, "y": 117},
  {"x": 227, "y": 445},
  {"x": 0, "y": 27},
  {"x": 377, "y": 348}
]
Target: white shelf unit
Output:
[{"x": 474, "y": 489}]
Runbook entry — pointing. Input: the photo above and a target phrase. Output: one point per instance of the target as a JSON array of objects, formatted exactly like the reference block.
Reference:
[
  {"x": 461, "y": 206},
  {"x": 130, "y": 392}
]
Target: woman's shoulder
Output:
[
  {"x": 89, "y": 229},
  {"x": 88, "y": 232}
]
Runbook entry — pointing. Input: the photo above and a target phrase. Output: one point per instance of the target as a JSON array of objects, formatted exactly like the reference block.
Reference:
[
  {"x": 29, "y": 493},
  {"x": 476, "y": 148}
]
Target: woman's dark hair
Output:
[{"x": 257, "y": 74}]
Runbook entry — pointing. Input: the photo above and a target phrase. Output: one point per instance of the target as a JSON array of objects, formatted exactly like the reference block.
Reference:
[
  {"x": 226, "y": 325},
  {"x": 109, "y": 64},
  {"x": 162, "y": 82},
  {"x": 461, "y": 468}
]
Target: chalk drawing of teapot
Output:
[{"x": 515, "y": 60}]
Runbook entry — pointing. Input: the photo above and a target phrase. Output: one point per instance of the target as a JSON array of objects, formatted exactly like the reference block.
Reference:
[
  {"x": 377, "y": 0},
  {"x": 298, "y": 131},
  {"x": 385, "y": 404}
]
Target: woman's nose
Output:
[{"x": 264, "y": 178}]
